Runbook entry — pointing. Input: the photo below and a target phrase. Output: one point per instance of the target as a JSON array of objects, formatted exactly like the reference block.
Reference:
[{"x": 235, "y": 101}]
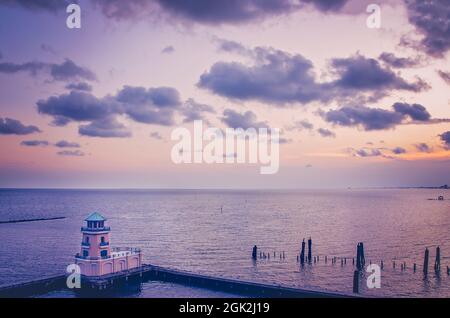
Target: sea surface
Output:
[{"x": 212, "y": 232}]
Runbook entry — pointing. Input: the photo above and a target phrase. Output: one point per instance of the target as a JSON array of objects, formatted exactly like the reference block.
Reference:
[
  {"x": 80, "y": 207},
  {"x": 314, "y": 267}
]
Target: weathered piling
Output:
[
  {"x": 255, "y": 252},
  {"x": 393, "y": 264},
  {"x": 360, "y": 261},
  {"x": 309, "y": 250},
  {"x": 448, "y": 270},
  {"x": 414, "y": 267},
  {"x": 437, "y": 262},
  {"x": 356, "y": 282},
  {"x": 326, "y": 259},
  {"x": 302, "y": 253},
  {"x": 425, "y": 262},
  {"x": 382, "y": 265}
]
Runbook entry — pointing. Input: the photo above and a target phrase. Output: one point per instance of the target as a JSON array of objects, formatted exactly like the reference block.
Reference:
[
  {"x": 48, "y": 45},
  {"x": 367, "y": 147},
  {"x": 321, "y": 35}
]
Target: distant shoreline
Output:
[{"x": 33, "y": 220}]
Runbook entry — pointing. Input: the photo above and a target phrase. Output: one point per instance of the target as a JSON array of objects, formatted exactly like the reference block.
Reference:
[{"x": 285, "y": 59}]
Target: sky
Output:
[{"x": 95, "y": 107}]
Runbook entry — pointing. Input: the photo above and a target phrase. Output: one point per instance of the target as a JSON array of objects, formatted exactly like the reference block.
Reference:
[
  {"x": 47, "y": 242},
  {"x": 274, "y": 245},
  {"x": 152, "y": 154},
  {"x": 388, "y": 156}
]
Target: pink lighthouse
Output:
[{"x": 96, "y": 257}]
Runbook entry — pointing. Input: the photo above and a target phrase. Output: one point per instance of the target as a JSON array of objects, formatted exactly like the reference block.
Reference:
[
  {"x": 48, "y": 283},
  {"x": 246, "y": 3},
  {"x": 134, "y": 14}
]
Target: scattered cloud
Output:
[
  {"x": 326, "y": 133},
  {"x": 377, "y": 118},
  {"x": 278, "y": 77},
  {"x": 246, "y": 120},
  {"x": 67, "y": 144},
  {"x": 302, "y": 125},
  {"x": 445, "y": 76},
  {"x": 423, "y": 147},
  {"x": 168, "y": 50},
  {"x": 195, "y": 111},
  {"x": 431, "y": 20},
  {"x": 107, "y": 127},
  {"x": 66, "y": 71},
  {"x": 399, "y": 62},
  {"x": 34, "y": 143},
  {"x": 445, "y": 138},
  {"x": 10, "y": 126},
  {"x": 398, "y": 150},
  {"x": 71, "y": 153},
  {"x": 81, "y": 86}
]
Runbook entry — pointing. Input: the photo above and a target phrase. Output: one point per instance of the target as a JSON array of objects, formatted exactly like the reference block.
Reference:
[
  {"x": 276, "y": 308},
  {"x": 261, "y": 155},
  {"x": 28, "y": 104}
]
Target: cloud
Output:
[
  {"x": 150, "y": 106},
  {"x": 34, "y": 143},
  {"x": 423, "y": 147},
  {"x": 66, "y": 71},
  {"x": 168, "y": 49},
  {"x": 366, "y": 152},
  {"x": 246, "y": 120},
  {"x": 156, "y": 135},
  {"x": 195, "y": 111},
  {"x": 278, "y": 77},
  {"x": 105, "y": 128},
  {"x": 326, "y": 133},
  {"x": 82, "y": 86},
  {"x": 46, "y": 5},
  {"x": 303, "y": 124},
  {"x": 415, "y": 111},
  {"x": 71, "y": 153},
  {"x": 398, "y": 62},
  {"x": 377, "y": 118},
  {"x": 445, "y": 138},
  {"x": 398, "y": 150},
  {"x": 10, "y": 126},
  {"x": 431, "y": 20},
  {"x": 231, "y": 46},
  {"x": 67, "y": 144},
  {"x": 445, "y": 76},
  {"x": 365, "y": 117}
]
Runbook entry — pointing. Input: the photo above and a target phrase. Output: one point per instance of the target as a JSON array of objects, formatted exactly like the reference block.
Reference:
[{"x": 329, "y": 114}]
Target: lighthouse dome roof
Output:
[{"x": 95, "y": 216}]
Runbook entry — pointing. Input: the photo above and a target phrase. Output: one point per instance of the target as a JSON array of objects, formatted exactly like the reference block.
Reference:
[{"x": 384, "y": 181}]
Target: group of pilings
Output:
[{"x": 267, "y": 255}]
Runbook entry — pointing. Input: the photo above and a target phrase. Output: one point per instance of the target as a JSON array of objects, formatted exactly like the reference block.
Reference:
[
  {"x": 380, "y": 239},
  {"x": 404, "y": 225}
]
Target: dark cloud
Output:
[
  {"x": 65, "y": 71},
  {"x": 423, "y": 147},
  {"x": 47, "y": 5},
  {"x": 10, "y": 126},
  {"x": 445, "y": 76},
  {"x": 34, "y": 143},
  {"x": 231, "y": 46},
  {"x": 399, "y": 62},
  {"x": 71, "y": 153},
  {"x": 445, "y": 138},
  {"x": 246, "y": 120},
  {"x": 415, "y": 111},
  {"x": 326, "y": 132},
  {"x": 279, "y": 78},
  {"x": 360, "y": 73},
  {"x": 365, "y": 117},
  {"x": 168, "y": 49},
  {"x": 150, "y": 106},
  {"x": 105, "y": 128},
  {"x": 82, "y": 86},
  {"x": 195, "y": 111},
  {"x": 377, "y": 118},
  {"x": 366, "y": 152},
  {"x": 398, "y": 150},
  {"x": 77, "y": 106},
  {"x": 431, "y": 20},
  {"x": 67, "y": 144}
]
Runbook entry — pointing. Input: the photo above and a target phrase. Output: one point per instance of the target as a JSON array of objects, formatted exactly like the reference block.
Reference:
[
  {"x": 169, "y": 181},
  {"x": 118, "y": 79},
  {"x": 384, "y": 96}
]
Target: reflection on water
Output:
[{"x": 188, "y": 230}]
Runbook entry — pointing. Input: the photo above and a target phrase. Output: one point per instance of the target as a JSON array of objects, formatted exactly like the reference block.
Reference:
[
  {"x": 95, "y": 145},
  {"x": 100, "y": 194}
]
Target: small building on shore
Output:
[{"x": 97, "y": 257}]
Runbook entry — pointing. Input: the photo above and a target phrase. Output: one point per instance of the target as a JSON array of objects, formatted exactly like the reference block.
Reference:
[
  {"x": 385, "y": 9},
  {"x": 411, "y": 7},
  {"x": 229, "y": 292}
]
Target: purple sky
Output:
[{"x": 95, "y": 107}]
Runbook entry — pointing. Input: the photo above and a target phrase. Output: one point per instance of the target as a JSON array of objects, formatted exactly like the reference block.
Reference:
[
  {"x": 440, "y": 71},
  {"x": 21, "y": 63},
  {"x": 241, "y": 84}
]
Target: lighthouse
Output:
[{"x": 97, "y": 257}]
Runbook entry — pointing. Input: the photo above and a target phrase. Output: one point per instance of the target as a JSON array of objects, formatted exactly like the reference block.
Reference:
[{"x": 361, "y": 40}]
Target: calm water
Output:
[{"x": 187, "y": 230}]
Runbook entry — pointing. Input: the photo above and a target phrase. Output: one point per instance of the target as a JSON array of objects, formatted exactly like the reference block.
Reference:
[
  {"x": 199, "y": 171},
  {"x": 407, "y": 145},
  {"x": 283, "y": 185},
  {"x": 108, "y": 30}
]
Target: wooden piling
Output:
[
  {"x": 302, "y": 253},
  {"x": 437, "y": 262},
  {"x": 356, "y": 282},
  {"x": 414, "y": 267},
  {"x": 425, "y": 262},
  {"x": 309, "y": 250},
  {"x": 255, "y": 252},
  {"x": 382, "y": 265}
]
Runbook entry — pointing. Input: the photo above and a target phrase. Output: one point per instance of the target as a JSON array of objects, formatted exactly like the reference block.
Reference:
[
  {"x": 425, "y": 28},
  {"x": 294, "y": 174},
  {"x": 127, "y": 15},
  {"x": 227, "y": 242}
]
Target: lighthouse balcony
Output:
[{"x": 95, "y": 229}]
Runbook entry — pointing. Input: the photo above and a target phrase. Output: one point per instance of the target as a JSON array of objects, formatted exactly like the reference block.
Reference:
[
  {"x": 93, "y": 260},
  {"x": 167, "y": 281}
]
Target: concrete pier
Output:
[{"x": 150, "y": 272}]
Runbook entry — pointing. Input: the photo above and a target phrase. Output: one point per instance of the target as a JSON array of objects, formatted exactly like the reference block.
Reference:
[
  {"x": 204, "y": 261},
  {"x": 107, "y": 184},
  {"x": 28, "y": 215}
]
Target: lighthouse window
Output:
[
  {"x": 85, "y": 253},
  {"x": 104, "y": 253},
  {"x": 102, "y": 239},
  {"x": 87, "y": 239}
]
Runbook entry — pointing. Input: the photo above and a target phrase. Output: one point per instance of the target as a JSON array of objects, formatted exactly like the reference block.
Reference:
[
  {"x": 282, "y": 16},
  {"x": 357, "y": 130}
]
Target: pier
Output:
[{"x": 95, "y": 285}]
